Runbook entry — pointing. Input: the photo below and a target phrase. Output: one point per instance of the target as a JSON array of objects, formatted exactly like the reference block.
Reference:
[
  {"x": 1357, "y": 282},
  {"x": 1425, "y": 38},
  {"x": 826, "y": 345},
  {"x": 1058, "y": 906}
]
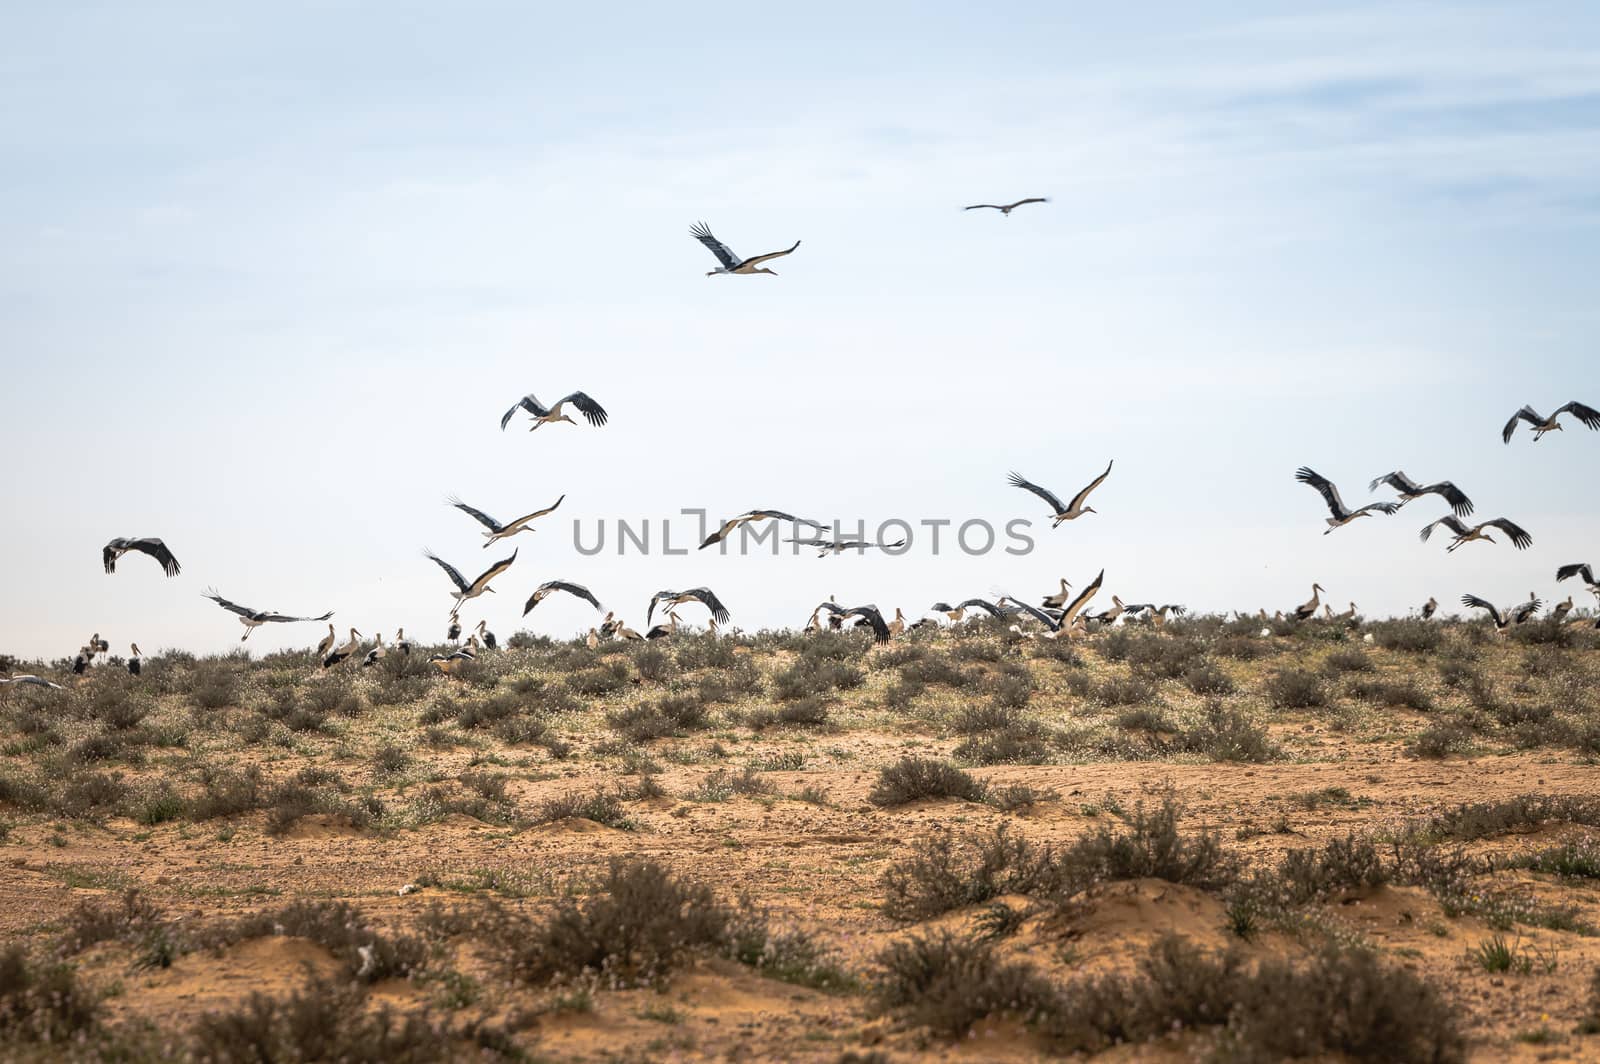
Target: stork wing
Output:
[
  {"x": 1451, "y": 494},
  {"x": 705, "y": 596},
  {"x": 231, "y": 607},
  {"x": 1082, "y": 600},
  {"x": 1016, "y": 481},
  {"x": 1175, "y": 610},
  {"x": 1030, "y": 199},
  {"x": 561, "y": 585},
  {"x": 1578, "y": 569},
  {"x": 1586, "y": 414},
  {"x": 525, "y": 518},
  {"x": 1478, "y": 603},
  {"x": 157, "y": 550},
  {"x": 493, "y": 571},
  {"x": 1077, "y": 500},
  {"x": 1449, "y": 522},
  {"x": 1527, "y": 414},
  {"x": 659, "y": 595},
  {"x": 880, "y": 630},
  {"x": 756, "y": 260},
  {"x": 293, "y": 620},
  {"x": 592, "y": 411},
  {"x": 983, "y": 604},
  {"x": 1330, "y": 494},
  {"x": 482, "y": 518},
  {"x": 980, "y": 206},
  {"x": 108, "y": 554},
  {"x": 1523, "y": 611},
  {"x": 1379, "y": 508},
  {"x": 449, "y": 570},
  {"x": 1398, "y": 481},
  {"x": 1036, "y": 613},
  {"x": 702, "y": 232},
  {"x": 1519, "y": 539},
  {"x": 528, "y": 403}
]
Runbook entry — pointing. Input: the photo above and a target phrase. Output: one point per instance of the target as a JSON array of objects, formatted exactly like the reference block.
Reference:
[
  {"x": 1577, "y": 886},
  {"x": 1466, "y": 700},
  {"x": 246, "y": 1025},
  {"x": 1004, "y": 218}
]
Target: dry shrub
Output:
[{"x": 912, "y": 779}]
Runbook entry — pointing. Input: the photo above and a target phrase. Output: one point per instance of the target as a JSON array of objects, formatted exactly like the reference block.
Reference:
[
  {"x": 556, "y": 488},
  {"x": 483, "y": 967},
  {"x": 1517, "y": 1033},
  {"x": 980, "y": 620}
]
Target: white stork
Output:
[
  {"x": 550, "y": 587},
  {"x": 135, "y": 660},
  {"x": 1429, "y": 607},
  {"x": 253, "y": 619},
  {"x": 592, "y": 411},
  {"x": 732, "y": 263},
  {"x": 465, "y": 591},
  {"x": 1503, "y": 620},
  {"x": 826, "y": 546},
  {"x": 1007, "y": 208},
  {"x": 702, "y": 595},
  {"x": 1519, "y": 539},
  {"x": 401, "y": 643},
  {"x": 1559, "y": 612},
  {"x": 447, "y": 663},
  {"x": 1541, "y": 425},
  {"x": 751, "y": 517},
  {"x": 489, "y": 641},
  {"x": 325, "y": 645},
  {"x": 870, "y": 614},
  {"x": 1060, "y": 513},
  {"x": 1070, "y": 623},
  {"x": 343, "y": 650},
  {"x": 1307, "y": 610},
  {"x": 1342, "y": 515},
  {"x": 497, "y": 531},
  {"x": 376, "y": 654},
  {"x": 150, "y": 545},
  {"x": 1410, "y": 489},
  {"x": 1060, "y": 598},
  {"x": 28, "y": 679},
  {"x": 1582, "y": 571}
]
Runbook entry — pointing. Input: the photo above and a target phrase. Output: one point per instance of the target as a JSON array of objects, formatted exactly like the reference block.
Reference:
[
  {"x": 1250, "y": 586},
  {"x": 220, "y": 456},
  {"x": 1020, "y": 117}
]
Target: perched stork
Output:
[
  {"x": 136, "y": 659},
  {"x": 1559, "y": 612},
  {"x": 1410, "y": 489},
  {"x": 489, "y": 641},
  {"x": 592, "y": 411},
  {"x": 702, "y": 595},
  {"x": 253, "y": 619},
  {"x": 751, "y": 517},
  {"x": 324, "y": 646},
  {"x": 376, "y": 654},
  {"x": 1541, "y": 425},
  {"x": 1060, "y": 598},
  {"x": 343, "y": 650},
  {"x": 1007, "y": 208},
  {"x": 550, "y": 587},
  {"x": 1342, "y": 515},
  {"x": 497, "y": 531},
  {"x": 1307, "y": 610},
  {"x": 28, "y": 679},
  {"x": 732, "y": 263},
  {"x": 1582, "y": 571},
  {"x": 1060, "y": 513},
  {"x": 465, "y": 591},
  {"x": 1514, "y": 616},
  {"x": 1519, "y": 539},
  {"x": 151, "y": 546},
  {"x": 870, "y": 614},
  {"x": 1429, "y": 607}
]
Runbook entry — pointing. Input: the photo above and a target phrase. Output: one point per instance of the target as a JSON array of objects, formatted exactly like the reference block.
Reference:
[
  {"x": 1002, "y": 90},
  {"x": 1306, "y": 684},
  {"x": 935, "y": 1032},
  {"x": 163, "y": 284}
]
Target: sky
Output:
[{"x": 270, "y": 274}]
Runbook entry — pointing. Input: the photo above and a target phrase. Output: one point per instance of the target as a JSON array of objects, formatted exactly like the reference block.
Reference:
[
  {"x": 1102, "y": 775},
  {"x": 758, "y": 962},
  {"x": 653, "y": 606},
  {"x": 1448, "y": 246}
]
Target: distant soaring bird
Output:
[
  {"x": 1519, "y": 539},
  {"x": 826, "y": 546},
  {"x": 465, "y": 591},
  {"x": 751, "y": 517},
  {"x": 1541, "y": 425},
  {"x": 1073, "y": 510},
  {"x": 253, "y": 619},
  {"x": 592, "y": 411},
  {"x": 732, "y": 263},
  {"x": 151, "y": 546},
  {"x": 550, "y": 587},
  {"x": 1342, "y": 515},
  {"x": 497, "y": 531},
  {"x": 702, "y": 595},
  {"x": 1410, "y": 489},
  {"x": 1008, "y": 207}
]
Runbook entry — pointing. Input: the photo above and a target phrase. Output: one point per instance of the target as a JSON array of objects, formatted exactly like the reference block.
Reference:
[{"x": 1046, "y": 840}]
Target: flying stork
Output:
[
  {"x": 1582, "y": 571},
  {"x": 1060, "y": 513},
  {"x": 28, "y": 679},
  {"x": 1070, "y": 622},
  {"x": 751, "y": 517},
  {"x": 550, "y": 587},
  {"x": 1307, "y": 610},
  {"x": 732, "y": 263},
  {"x": 592, "y": 411},
  {"x": 1410, "y": 489},
  {"x": 826, "y": 546},
  {"x": 1330, "y": 494},
  {"x": 702, "y": 595},
  {"x": 1429, "y": 607},
  {"x": 465, "y": 591},
  {"x": 1007, "y": 208},
  {"x": 1541, "y": 425},
  {"x": 1519, "y": 539},
  {"x": 253, "y": 619},
  {"x": 151, "y": 546},
  {"x": 870, "y": 614},
  {"x": 497, "y": 531},
  {"x": 1513, "y": 616}
]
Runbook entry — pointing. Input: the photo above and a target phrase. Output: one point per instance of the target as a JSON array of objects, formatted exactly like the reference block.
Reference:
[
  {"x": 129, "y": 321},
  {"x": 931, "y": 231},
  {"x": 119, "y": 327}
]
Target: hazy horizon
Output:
[{"x": 271, "y": 277}]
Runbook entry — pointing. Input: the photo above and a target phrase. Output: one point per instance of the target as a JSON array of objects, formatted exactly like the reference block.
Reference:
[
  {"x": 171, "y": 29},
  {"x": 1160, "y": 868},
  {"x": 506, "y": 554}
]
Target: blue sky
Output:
[{"x": 269, "y": 276}]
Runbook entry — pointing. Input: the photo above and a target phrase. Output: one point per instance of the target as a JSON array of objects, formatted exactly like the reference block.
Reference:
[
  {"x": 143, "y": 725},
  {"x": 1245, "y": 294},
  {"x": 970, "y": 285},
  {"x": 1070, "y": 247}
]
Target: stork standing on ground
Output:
[
  {"x": 489, "y": 641},
  {"x": 550, "y": 587},
  {"x": 1463, "y": 535},
  {"x": 447, "y": 663},
  {"x": 1059, "y": 599},
  {"x": 703, "y": 595},
  {"x": 750, "y": 517},
  {"x": 343, "y": 650},
  {"x": 1516, "y": 615},
  {"x": 1342, "y": 514},
  {"x": 1308, "y": 609},
  {"x": 253, "y": 619},
  {"x": 136, "y": 659},
  {"x": 1410, "y": 489},
  {"x": 1070, "y": 623},
  {"x": 1007, "y": 208},
  {"x": 150, "y": 545},
  {"x": 401, "y": 643},
  {"x": 1561, "y": 609},
  {"x": 1117, "y": 610},
  {"x": 325, "y": 645},
  {"x": 1589, "y": 416},
  {"x": 1582, "y": 571},
  {"x": 592, "y": 412},
  {"x": 376, "y": 654},
  {"x": 661, "y": 631},
  {"x": 464, "y": 591},
  {"x": 732, "y": 263},
  {"x": 497, "y": 531},
  {"x": 1072, "y": 510}
]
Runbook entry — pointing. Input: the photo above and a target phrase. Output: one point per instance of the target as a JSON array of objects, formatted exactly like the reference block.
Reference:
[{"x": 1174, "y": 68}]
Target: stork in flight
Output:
[
  {"x": 592, "y": 411},
  {"x": 1007, "y": 208},
  {"x": 497, "y": 531},
  {"x": 1308, "y": 609},
  {"x": 1541, "y": 424},
  {"x": 253, "y": 619},
  {"x": 826, "y": 546},
  {"x": 1060, "y": 513},
  {"x": 1503, "y": 620},
  {"x": 751, "y": 517},
  {"x": 1519, "y": 539},
  {"x": 149, "y": 545},
  {"x": 702, "y": 595},
  {"x": 732, "y": 263},
  {"x": 870, "y": 614},
  {"x": 550, "y": 587},
  {"x": 1582, "y": 571},
  {"x": 1342, "y": 515},
  {"x": 28, "y": 679},
  {"x": 1070, "y": 623},
  {"x": 1410, "y": 489},
  {"x": 1429, "y": 607},
  {"x": 465, "y": 591}
]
